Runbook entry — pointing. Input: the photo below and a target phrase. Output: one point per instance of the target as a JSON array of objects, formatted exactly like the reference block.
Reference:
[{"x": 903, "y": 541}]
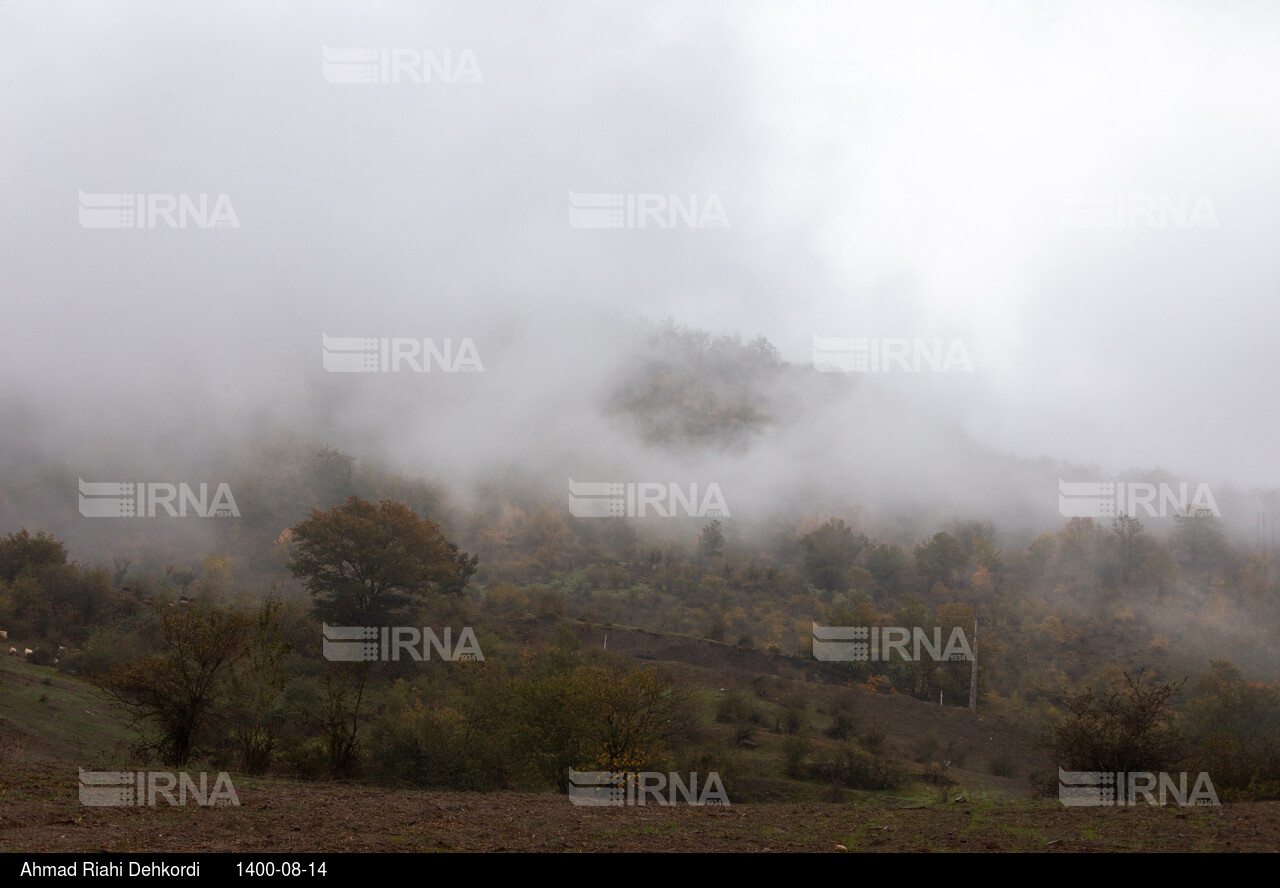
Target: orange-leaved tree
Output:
[{"x": 365, "y": 563}]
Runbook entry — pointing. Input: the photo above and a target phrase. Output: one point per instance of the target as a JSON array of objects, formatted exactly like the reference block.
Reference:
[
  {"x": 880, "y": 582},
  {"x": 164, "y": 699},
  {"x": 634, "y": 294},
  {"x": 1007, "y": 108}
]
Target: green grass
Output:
[
  {"x": 1031, "y": 833},
  {"x": 64, "y": 719},
  {"x": 858, "y": 840}
]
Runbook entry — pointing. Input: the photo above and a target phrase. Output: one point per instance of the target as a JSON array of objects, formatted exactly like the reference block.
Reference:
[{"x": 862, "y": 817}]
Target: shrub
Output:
[
  {"x": 873, "y": 739},
  {"x": 306, "y": 759},
  {"x": 860, "y": 770},
  {"x": 1124, "y": 729},
  {"x": 734, "y": 708},
  {"x": 924, "y": 748},
  {"x": 794, "y": 749},
  {"x": 937, "y": 774},
  {"x": 1001, "y": 765},
  {"x": 841, "y": 726}
]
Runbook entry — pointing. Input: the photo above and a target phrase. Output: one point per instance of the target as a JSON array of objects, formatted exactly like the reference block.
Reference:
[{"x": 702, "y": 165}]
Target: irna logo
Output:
[
  {"x": 355, "y": 644},
  {"x": 1086, "y": 789},
  {"x": 114, "y": 789},
  {"x": 139, "y": 499},
  {"x": 847, "y": 644},
  {"x": 147, "y": 210},
  {"x": 614, "y": 788},
  {"x": 1107, "y": 499},
  {"x": 397, "y": 355},
  {"x": 400, "y": 66},
  {"x": 885, "y": 355},
  {"x": 618, "y": 499},
  {"x": 1137, "y": 211},
  {"x": 607, "y": 210}
]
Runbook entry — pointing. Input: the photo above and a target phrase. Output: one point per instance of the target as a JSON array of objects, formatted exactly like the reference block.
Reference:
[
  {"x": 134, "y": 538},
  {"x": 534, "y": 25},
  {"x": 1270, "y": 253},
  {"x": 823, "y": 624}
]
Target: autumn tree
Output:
[
  {"x": 177, "y": 689},
  {"x": 1078, "y": 545},
  {"x": 366, "y": 563},
  {"x": 969, "y": 533},
  {"x": 593, "y": 715},
  {"x": 258, "y": 681},
  {"x": 1126, "y": 528},
  {"x": 1125, "y": 729},
  {"x": 635, "y": 713}
]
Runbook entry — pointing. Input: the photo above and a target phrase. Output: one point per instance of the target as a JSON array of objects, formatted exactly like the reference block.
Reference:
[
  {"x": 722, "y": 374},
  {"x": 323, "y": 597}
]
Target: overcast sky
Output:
[{"x": 907, "y": 170}]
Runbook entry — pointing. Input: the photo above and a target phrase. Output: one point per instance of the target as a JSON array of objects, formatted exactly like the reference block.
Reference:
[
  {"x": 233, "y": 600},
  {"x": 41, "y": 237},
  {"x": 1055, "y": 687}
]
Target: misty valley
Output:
[{"x": 700, "y": 426}]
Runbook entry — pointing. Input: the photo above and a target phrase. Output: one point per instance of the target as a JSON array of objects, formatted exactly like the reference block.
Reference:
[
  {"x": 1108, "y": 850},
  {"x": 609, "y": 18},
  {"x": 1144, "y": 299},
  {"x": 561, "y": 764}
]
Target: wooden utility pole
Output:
[{"x": 973, "y": 674}]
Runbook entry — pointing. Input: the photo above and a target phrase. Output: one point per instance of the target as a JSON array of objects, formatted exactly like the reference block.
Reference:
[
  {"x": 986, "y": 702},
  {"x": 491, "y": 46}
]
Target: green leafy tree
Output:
[
  {"x": 340, "y": 718},
  {"x": 888, "y": 565},
  {"x": 970, "y": 532},
  {"x": 21, "y": 550},
  {"x": 711, "y": 540},
  {"x": 1233, "y": 730},
  {"x": 1199, "y": 542},
  {"x": 829, "y": 552},
  {"x": 332, "y": 471},
  {"x": 939, "y": 559}
]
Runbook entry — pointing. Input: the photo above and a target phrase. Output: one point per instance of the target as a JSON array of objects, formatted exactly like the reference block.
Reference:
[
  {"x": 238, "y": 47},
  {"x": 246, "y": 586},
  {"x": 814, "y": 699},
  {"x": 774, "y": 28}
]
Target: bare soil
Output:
[{"x": 40, "y": 811}]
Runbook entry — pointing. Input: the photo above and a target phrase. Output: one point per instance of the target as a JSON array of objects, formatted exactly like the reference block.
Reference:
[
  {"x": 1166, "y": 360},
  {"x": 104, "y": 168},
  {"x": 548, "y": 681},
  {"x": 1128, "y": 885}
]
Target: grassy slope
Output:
[
  {"x": 40, "y": 810},
  {"x": 47, "y": 716}
]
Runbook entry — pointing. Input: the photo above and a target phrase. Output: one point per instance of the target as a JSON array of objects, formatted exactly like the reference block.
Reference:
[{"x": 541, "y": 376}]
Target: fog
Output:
[{"x": 899, "y": 170}]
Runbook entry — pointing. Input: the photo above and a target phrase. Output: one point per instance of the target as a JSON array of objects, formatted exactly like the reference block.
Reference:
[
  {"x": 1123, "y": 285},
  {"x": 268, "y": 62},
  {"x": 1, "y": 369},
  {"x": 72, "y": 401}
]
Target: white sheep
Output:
[
  {"x": 4, "y": 636},
  {"x": 13, "y": 652},
  {"x": 28, "y": 652}
]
